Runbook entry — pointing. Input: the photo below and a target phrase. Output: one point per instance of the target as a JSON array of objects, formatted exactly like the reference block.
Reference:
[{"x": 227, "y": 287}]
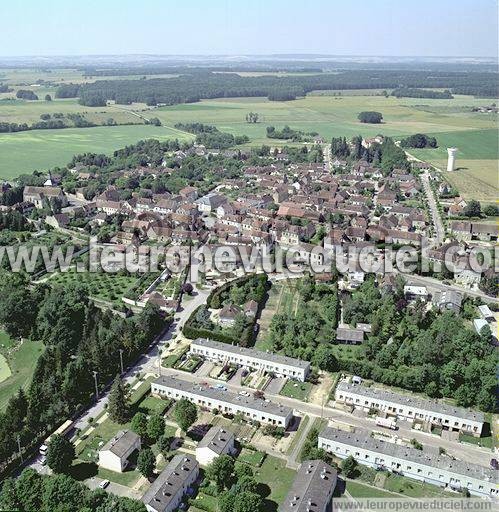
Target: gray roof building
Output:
[
  {"x": 246, "y": 355},
  {"x": 312, "y": 488},
  {"x": 217, "y": 439},
  {"x": 409, "y": 461},
  {"x": 121, "y": 443},
  {"x": 416, "y": 402},
  {"x": 226, "y": 401},
  {"x": 348, "y": 335},
  {"x": 166, "y": 492}
]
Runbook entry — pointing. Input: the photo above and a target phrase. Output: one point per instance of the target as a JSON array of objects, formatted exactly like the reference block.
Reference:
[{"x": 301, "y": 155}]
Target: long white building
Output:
[
  {"x": 254, "y": 409},
  {"x": 249, "y": 358},
  {"x": 408, "y": 461},
  {"x": 410, "y": 408}
]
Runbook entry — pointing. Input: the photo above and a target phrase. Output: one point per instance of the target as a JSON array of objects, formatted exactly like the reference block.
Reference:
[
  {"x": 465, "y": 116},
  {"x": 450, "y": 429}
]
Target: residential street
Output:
[
  {"x": 435, "y": 214},
  {"x": 460, "y": 451}
]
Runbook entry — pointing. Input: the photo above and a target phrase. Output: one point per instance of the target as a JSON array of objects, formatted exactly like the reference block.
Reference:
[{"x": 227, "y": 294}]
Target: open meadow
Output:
[
  {"x": 17, "y": 364},
  {"x": 452, "y": 122}
]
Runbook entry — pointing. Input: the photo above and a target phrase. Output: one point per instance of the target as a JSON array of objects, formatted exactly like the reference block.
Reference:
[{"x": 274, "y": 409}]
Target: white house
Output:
[
  {"x": 216, "y": 442},
  {"x": 115, "y": 454},
  {"x": 250, "y": 358},
  {"x": 415, "y": 292},
  {"x": 167, "y": 491},
  {"x": 440, "y": 470}
]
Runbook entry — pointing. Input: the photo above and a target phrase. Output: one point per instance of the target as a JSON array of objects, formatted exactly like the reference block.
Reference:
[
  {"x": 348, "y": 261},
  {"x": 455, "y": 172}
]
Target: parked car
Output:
[
  {"x": 494, "y": 464},
  {"x": 104, "y": 484}
]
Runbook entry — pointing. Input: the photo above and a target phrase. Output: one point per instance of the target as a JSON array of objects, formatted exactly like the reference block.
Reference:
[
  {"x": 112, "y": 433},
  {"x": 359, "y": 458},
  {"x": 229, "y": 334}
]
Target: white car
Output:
[
  {"x": 104, "y": 484},
  {"x": 244, "y": 393}
]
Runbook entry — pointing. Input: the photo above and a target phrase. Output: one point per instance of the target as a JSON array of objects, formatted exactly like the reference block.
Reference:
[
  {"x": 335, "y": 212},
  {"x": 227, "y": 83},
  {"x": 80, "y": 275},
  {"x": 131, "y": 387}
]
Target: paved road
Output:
[
  {"x": 431, "y": 282},
  {"x": 150, "y": 362},
  {"x": 327, "y": 157},
  {"x": 435, "y": 214},
  {"x": 464, "y": 452}
]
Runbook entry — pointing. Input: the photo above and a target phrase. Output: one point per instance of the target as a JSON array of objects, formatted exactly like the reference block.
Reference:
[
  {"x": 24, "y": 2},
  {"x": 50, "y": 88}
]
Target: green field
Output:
[
  {"x": 24, "y": 152},
  {"x": 331, "y": 116},
  {"x": 5, "y": 372},
  {"x": 451, "y": 121},
  {"x": 20, "y": 363},
  {"x": 266, "y": 474}
]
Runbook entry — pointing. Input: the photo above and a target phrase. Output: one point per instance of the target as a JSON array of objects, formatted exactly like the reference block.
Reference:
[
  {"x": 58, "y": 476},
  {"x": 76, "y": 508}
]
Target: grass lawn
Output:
[
  {"x": 20, "y": 363},
  {"x": 153, "y": 405},
  {"x": 358, "y": 490},
  {"x": 413, "y": 488},
  {"x": 298, "y": 390},
  {"x": 347, "y": 351},
  {"x": 205, "y": 502},
  {"x": 275, "y": 480},
  {"x": 486, "y": 442},
  {"x": 251, "y": 457},
  {"x": 5, "y": 372},
  {"x": 105, "y": 286}
]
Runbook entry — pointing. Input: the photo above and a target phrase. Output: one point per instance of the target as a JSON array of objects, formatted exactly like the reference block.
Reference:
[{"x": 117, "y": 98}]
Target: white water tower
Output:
[{"x": 451, "y": 161}]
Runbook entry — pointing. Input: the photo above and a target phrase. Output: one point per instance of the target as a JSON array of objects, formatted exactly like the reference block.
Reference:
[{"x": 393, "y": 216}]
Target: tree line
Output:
[
  {"x": 192, "y": 87},
  {"x": 419, "y": 140},
  {"x": 411, "y": 92}
]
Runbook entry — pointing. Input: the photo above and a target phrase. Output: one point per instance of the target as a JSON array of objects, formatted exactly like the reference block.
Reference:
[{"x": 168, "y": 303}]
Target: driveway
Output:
[
  {"x": 205, "y": 369},
  {"x": 275, "y": 385},
  {"x": 113, "y": 488},
  {"x": 236, "y": 378}
]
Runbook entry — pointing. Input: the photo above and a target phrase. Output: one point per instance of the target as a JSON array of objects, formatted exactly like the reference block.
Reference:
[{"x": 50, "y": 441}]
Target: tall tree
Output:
[
  {"x": 118, "y": 405},
  {"x": 185, "y": 414},
  {"x": 220, "y": 471},
  {"x": 139, "y": 424},
  {"x": 146, "y": 462},
  {"x": 155, "y": 427},
  {"x": 60, "y": 455}
]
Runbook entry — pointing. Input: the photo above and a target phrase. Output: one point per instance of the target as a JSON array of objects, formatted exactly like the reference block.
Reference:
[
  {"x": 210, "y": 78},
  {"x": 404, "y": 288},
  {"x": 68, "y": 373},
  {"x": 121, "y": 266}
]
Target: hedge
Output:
[{"x": 218, "y": 292}]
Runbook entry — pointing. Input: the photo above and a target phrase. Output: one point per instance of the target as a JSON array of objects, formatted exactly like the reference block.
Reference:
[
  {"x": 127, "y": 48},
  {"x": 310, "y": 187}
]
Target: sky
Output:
[{"x": 244, "y": 27}]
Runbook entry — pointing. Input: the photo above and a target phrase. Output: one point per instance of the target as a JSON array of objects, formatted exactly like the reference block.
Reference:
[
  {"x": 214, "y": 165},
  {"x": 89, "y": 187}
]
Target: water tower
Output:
[{"x": 451, "y": 161}]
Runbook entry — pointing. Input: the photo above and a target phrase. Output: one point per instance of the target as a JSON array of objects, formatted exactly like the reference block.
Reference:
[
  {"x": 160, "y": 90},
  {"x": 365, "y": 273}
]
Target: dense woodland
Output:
[
  {"x": 193, "y": 87},
  {"x": 435, "y": 353},
  {"x": 78, "y": 339}
]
